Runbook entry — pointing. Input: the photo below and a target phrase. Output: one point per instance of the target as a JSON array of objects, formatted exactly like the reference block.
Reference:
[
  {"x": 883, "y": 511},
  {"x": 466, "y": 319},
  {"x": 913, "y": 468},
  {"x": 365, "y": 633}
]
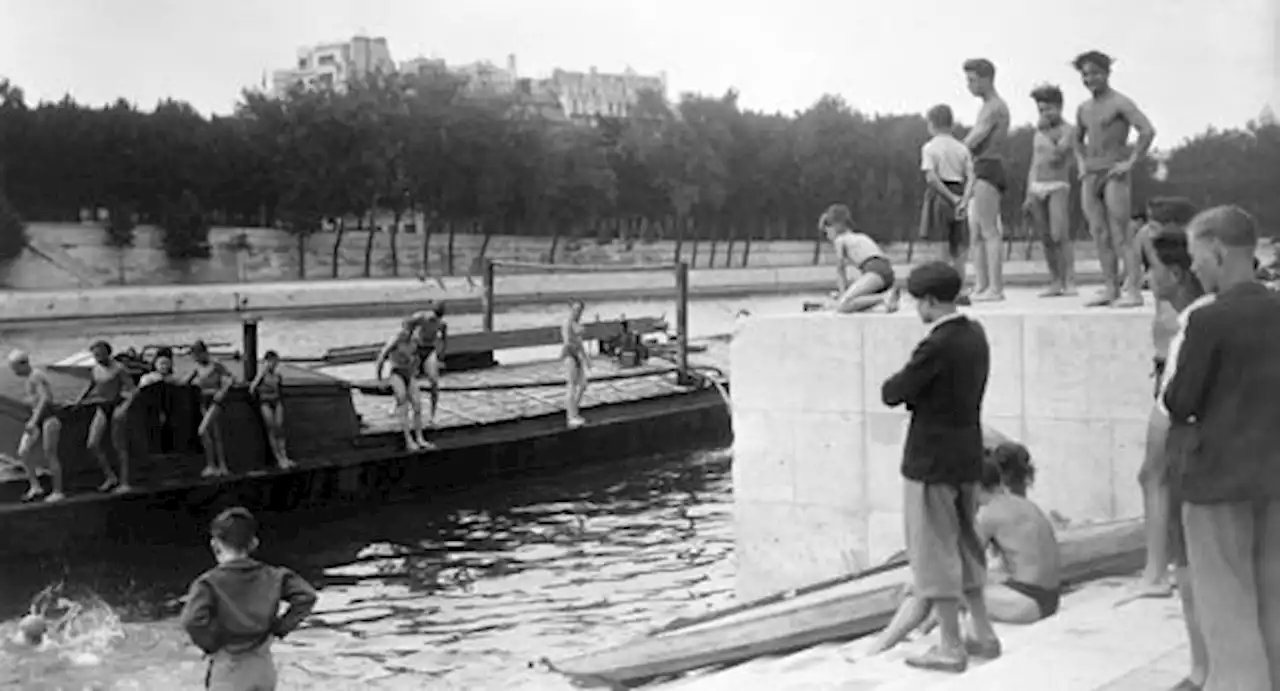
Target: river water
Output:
[{"x": 456, "y": 592}]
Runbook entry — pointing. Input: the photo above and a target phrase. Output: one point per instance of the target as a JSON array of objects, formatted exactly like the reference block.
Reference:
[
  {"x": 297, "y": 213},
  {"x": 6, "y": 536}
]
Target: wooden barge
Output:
[{"x": 494, "y": 421}]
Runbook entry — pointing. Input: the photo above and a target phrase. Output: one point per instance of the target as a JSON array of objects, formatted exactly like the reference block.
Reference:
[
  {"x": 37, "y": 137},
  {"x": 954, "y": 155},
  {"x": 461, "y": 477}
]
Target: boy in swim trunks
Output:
[
  {"x": 1106, "y": 162},
  {"x": 268, "y": 388},
  {"x": 402, "y": 351},
  {"x": 110, "y": 392},
  {"x": 45, "y": 425},
  {"x": 986, "y": 143},
  {"x": 1048, "y": 202},
  {"x": 875, "y": 283},
  {"x": 232, "y": 610},
  {"x": 1019, "y": 534},
  {"x": 942, "y": 385},
  {"x": 430, "y": 335},
  {"x": 948, "y": 176}
]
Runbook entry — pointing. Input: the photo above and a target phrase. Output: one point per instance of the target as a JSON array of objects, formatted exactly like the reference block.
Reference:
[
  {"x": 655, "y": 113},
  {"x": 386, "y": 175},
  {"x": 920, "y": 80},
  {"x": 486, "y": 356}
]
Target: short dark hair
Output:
[
  {"x": 1096, "y": 58},
  {"x": 980, "y": 66},
  {"x": 1047, "y": 93},
  {"x": 100, "y": 345},
  {"x": 941, "y": 117},
  {"x": 937, "y": 279},
  {"x": 1171, "y": 248},
  {"x": 838, "y": 214},
  {"x": 165, "y": 351},
  {"x": 1172, "y": 210},
  {"x": 271, "y": 355},
  {"x": 235, "y": 527},
  {"x": 199, "y": 347},
  {"x": 1009, "y": 464}
]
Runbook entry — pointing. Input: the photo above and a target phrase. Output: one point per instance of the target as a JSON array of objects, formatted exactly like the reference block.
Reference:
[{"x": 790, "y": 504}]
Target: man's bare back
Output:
[
  {"x": 1024, "y": 538},
  {"x": 1105, "y": 121}
]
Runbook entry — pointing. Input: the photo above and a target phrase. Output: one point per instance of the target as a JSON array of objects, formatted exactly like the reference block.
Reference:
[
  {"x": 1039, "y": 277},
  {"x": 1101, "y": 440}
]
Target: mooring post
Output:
[
  {"x": 682, "y": 324},
  {"x": 487, "y": 300},
  {"x": 249, "y": 348}
]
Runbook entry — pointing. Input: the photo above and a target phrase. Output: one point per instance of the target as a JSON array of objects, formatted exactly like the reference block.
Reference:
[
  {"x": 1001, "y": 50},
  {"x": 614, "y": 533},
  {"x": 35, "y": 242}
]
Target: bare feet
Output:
[
  {"x": 1128, "y": 301},
  {"x": 54, "y": 497},
  {"x": 892, "y": 302},
  {"x": 939, "y": 660},
  {"x": 988, "y": 297},
  {"x": 34, "y": 492},
  {"x": 411, "y": 445},
  {"x": 1102, "y": 299},
  {"x": 286, "y": 464},
  {"x": 122, "y": 489},
  {"x": 575, "y": 422},
  {"x": 1053, "y": 292},
  {"x": 209, "y": 471},
  {"x": 1159, "y": 588},
  {"x": 109, "y": 484}
]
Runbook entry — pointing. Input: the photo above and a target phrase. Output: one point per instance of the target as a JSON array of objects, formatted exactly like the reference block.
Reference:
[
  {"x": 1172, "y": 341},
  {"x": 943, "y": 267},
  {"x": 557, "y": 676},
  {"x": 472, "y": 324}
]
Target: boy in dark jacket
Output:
[
  {"x": 231, "y": 610},
  {"x": 943, "y": 385}
]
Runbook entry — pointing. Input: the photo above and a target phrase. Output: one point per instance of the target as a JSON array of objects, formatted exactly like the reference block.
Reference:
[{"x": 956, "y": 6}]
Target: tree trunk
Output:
[
  {"x": 428, "y": 226},
  {"x": 695, "y": 221},
  {"x": 486, "y": 226},
  {"x": 746, "y": 244},
  {"x": 338, "y": 233},
  {"x": 453, "y": 231},
  {"x": 679, "y": 221},
  {"x": 302, "y": 256},
  {"x": 714, "y": 226},
  {"x": 555, "y": 241},
  {"x": 395, "y": 250},
  {"x": 368, "y": 243},
  {"x": 731, "y": 235}
]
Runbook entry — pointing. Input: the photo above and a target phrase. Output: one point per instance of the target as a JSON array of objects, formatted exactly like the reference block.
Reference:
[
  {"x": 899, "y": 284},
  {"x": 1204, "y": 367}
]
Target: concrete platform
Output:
[
  {"x": 1097, "y": 642},
  {"x": 817, "y": 488}
]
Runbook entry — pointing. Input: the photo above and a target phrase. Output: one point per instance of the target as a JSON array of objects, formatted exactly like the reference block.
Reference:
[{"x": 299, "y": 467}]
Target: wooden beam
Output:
[{"x": 492, "y": 341}]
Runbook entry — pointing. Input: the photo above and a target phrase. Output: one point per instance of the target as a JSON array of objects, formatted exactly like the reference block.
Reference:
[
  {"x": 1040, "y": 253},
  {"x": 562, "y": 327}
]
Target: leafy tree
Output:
[
  {"x": 186, "y": 229},
  {"x": 13, "y": 231}
]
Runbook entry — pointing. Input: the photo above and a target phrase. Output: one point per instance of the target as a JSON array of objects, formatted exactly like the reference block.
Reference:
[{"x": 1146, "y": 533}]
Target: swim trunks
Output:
[
  {"x": 880, "y": 267},
  {"x": 1046, "y": 600},
  {"x": 1041, "y": 190},
  {"x": 991, "y": 170},
  {"x": 51, "y": 411}
]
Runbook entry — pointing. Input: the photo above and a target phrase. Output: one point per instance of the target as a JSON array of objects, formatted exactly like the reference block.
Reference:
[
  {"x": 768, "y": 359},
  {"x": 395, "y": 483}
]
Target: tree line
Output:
[{"x": 423, "y": 147}]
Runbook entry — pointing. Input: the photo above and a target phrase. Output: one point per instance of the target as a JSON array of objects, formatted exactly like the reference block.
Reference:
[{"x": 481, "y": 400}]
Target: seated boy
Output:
[
  {"x": 231, "y": 610},
  {"x": 1028, "y": 586}
]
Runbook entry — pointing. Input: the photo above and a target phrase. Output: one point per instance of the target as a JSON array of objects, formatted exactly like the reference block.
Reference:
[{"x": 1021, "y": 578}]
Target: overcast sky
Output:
[{"x": 1189, "y": 63}]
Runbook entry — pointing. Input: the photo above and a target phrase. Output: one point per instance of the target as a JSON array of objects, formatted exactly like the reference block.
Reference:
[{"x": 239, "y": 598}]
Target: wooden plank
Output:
[
  {"x": 840, "y": 610},
  {"x": 492, "y": 341}
]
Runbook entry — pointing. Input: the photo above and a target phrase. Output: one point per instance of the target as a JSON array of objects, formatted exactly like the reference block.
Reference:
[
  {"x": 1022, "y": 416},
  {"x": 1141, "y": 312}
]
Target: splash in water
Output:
[{"x": 58, "y": 633}]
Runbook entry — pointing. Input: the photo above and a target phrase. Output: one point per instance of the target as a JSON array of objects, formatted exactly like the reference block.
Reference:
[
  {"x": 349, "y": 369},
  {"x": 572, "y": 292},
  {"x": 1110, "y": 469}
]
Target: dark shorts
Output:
[
  {"x": 1157, "y": 373},
  {"x": 947, "y": 559},
  {"x": 1047, "y": 600},
  {"x": 880, "y": 267},
  {"x": 938, "y": 222},
  {"x": 991, "y": 170},
  {"x": 404, "y": 376},
  {"x": 424, "y": 353},
  {"x": 52, "y": 411}
]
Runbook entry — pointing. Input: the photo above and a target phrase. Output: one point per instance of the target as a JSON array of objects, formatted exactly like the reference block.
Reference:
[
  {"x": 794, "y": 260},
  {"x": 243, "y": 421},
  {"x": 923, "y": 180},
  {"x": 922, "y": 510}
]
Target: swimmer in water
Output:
[
  {"x": 44, "y": 425},
  {"x": 875, "y": 284},
  {"x": 1106, "y": 164},
  {"x": 268, "y": 388},
  {"x": 109, "y": 393},
  {"x": 577, "y": 363}
]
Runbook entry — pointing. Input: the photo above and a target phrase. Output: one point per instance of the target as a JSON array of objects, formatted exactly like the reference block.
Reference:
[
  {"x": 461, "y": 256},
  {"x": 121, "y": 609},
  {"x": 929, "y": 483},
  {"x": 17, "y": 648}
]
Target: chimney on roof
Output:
[{"x": 511, "y": 64}]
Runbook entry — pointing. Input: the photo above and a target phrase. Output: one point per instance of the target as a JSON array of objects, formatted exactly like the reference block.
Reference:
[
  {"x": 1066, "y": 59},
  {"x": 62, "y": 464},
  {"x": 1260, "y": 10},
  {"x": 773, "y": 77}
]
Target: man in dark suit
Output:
[
  {"x": 1226, "y": 379},
  {"x": 942, "y": 385}
]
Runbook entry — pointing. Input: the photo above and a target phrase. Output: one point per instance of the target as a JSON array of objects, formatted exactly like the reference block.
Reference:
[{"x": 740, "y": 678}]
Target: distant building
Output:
[
  {"x": 484, "y": 77},
  {"x": 423, "y": 66},
  {"x": 334, "y": 65},
  {"x": 535, "y": 99},
  {"x": 1267, "y": 117},
  {"x": 586, "y": 95}
]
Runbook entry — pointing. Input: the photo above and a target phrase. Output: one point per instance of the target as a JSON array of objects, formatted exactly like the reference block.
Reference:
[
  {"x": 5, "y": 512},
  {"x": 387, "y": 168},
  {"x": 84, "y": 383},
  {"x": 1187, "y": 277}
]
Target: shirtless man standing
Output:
[
  {"x": 110, "y": 392},
  {"x": 1048, "y": 201},
  {"x": 986, "y": 143},
  {"x": 43, "y": 425},
  {"x": 1106, "y": 163}
]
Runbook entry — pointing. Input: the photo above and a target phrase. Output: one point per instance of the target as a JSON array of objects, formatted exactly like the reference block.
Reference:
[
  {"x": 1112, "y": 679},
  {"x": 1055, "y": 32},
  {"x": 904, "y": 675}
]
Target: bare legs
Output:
[
  {"x": 575, "y": 375},
  {"x": 215, "y": 455},
  {"x": 985, "y": 235},
  {"x": 1199, "y": 651},
  {"x": 273, "y": 417},
  {"x": 1106, "y": 203},
  {"x": 1051, "y": 218},
  {"x": 1155, "y": 498},
  {"x": 409, "y": 410},
  {"x": 867, "y": 292},
  {"x": 96, "y": 443},
  {"x": 432, "y": 368},
  {"x": 50, "y": 433}
]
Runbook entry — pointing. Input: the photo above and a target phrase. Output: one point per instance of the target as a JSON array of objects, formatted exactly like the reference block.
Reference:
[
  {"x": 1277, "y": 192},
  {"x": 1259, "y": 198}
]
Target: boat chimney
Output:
[{"x": 249, "y": 348}]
